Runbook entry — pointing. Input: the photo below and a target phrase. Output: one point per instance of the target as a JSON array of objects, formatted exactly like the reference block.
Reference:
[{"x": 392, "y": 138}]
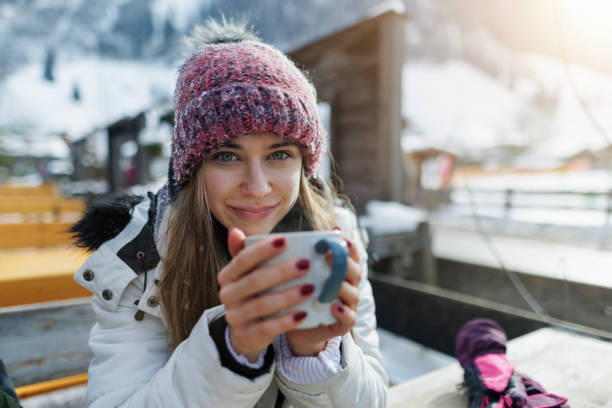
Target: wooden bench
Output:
[
  {"x": 46, "y": 342},
  {"x": 36, "y": 261},
  {"x": 37, "y": 203},
  {"x": 46, "y": 189},
  {"x": 39, "y": 275},
  {"x": 32, "y": 208},
  {"x": 34, "y": 234},
  {"x": 574, "y": 366}
]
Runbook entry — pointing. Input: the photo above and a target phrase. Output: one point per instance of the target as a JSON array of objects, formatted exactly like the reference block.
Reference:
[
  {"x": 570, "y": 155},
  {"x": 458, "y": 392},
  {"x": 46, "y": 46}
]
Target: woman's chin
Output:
[{"x": 256, "y": 229}]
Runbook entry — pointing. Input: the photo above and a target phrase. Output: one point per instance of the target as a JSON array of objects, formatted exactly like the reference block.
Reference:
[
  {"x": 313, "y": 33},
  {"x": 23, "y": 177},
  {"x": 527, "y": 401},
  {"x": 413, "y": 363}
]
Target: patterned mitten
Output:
[{"x": 489, "y": 376}]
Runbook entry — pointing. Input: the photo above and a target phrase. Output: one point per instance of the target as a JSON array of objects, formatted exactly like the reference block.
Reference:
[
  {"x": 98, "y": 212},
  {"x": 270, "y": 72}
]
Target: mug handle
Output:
[{"x": 338, "y": 268}]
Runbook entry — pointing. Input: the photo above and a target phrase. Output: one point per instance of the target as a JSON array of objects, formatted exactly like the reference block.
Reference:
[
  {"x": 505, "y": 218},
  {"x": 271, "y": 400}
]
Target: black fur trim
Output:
[{"x": 103, "y": 220}]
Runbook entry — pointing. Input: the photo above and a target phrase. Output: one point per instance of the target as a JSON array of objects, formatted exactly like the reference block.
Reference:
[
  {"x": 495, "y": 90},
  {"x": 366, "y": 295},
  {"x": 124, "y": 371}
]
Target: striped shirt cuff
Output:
[{"x": 307, "y": 370}]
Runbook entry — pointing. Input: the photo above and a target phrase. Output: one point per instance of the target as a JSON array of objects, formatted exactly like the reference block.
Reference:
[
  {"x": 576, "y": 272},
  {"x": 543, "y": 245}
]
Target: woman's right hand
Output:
[{"x": 248, "y": 309}]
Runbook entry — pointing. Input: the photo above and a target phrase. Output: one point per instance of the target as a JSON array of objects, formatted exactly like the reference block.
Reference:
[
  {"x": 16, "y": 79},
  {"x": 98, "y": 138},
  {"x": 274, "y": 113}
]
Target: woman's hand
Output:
[
  {"x": 242, "y": 283},
  {"x": 309, "y": 342}
]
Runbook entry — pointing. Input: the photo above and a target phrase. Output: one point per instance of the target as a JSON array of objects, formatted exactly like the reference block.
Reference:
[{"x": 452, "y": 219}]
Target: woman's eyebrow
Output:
[
  {"x": 232, "y": 145},
  {"x": 281, "y": 144}
]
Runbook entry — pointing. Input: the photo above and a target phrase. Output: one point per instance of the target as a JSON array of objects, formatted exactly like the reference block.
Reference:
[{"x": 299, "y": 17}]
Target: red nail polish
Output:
[
  {"x": 307, "y": 289},
  {"x": 299, "y": 316},
  {"x": 348, "y": 243},
  {"x": 303, "y": 264},
  {"x": 278, "y": 242},
  {"x": 336, "y": 228},
  {"x": 340, "y": 308}
]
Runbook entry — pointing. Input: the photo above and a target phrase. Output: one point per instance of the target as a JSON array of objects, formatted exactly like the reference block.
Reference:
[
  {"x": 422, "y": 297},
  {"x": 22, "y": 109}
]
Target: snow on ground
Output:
[
  {"x": 405, "y": 359},
  {"x": 557, "y": 260},
  {"x": 36, "y": 146},
  {"x": 457, "y": 107},
  {"x": 585, "y": 181},
  {"x": 570, "y": 243}
]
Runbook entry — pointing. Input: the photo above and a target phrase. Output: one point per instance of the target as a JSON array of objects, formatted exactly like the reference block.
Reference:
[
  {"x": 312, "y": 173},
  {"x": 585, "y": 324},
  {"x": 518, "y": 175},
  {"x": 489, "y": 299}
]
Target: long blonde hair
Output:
[{"x": 197, "y": 250}]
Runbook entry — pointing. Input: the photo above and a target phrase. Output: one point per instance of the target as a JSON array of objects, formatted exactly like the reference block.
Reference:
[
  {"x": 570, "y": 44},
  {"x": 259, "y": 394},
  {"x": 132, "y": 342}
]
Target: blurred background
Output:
[{"x": 473, "y": 136}]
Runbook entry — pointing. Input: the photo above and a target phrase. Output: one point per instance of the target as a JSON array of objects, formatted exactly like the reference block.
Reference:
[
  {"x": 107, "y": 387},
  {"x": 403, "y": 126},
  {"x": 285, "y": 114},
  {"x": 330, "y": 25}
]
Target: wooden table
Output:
[{"x": 573, "y": 366}]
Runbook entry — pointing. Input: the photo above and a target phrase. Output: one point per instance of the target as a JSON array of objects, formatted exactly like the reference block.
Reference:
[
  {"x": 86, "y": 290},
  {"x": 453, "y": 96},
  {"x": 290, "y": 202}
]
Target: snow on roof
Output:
[
  {"x": 109, "y": 91},
  {"x": 396, "y": 6},
  {"x": 388, "y": 217}
]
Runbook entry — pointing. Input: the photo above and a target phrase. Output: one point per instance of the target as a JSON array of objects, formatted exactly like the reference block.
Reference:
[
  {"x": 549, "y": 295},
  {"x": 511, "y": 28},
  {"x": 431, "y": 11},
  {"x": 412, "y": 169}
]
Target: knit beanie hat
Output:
[{"x": 233, "y": 85}]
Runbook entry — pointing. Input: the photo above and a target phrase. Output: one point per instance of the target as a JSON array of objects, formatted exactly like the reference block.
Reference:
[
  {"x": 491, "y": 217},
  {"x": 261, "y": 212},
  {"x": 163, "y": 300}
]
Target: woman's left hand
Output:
[{"x": 309, "y": 342}]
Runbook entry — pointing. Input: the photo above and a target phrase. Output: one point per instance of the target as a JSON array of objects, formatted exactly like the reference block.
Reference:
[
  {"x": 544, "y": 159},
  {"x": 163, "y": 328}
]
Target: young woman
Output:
[{"x": 183, "y": 317}]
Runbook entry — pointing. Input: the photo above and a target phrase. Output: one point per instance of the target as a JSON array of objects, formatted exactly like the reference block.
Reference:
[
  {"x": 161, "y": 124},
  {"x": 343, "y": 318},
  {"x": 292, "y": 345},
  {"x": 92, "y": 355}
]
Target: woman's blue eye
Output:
[
  {"x": 225, "y": 156},
  {"x": 280, "y": 155}
]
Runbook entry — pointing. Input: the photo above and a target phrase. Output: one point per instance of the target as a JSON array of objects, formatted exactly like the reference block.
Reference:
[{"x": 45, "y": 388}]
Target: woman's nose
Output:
[{"x": 256, "y": 182}]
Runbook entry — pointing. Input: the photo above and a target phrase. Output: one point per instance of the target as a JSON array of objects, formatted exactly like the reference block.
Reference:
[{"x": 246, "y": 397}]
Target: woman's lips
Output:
[{"x": 253, "y": 213}]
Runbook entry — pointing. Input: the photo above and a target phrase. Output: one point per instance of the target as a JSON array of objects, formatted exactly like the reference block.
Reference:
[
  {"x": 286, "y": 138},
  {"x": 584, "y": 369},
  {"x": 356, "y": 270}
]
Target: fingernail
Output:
[
  {"x": 303, "y": 264},
  {"x": 340, "y": 308},
  {"x": 348, "y": 243},
  {"x": 336, "y": 228},
  {"x": 299, "y": 316},
  {"x": 278, "y": 242},
  {"x": 307, "y": 289}
]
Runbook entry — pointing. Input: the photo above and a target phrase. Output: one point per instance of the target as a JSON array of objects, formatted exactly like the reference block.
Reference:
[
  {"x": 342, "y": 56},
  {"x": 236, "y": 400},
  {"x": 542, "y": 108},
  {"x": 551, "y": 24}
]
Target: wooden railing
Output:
[{"x": 510, "y": 199}]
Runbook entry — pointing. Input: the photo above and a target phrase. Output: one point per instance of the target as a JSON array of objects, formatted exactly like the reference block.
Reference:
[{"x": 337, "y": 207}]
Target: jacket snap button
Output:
[
  {"x": 139, "y": 315},
  {"x": 88, "y": 275},
  {"x": 140, "y": 254},
  {"x": 107, "y": 294},
  {"x": 152, "y": 301}
]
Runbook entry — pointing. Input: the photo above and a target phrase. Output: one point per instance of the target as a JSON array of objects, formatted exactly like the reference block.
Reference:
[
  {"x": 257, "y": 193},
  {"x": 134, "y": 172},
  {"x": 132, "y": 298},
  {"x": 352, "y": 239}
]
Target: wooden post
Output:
[
  {"x": 391, "y": 63},
  {"x": 508, "y": 203},
  {"x": 430, "y": 275},
  {"x": 605, "y": 237}
]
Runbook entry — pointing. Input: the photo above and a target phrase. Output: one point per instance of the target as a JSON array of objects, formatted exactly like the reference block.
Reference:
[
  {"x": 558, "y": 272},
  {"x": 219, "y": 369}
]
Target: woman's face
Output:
[{"x": 253, "y": 181}]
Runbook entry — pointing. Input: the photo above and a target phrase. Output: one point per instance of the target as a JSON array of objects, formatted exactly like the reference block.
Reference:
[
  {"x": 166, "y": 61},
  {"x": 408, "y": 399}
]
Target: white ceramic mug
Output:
[{"x": 313, "y": 245}]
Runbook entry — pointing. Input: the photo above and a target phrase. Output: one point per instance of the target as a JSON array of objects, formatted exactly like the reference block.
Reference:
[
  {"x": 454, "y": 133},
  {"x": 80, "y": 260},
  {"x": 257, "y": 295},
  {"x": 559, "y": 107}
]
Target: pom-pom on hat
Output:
[{"x": 233, "y": 85}]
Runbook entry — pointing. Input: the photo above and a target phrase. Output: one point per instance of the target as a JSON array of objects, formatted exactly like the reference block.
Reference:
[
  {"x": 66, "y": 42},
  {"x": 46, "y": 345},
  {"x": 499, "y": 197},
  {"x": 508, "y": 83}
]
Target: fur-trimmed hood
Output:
[{"x": 103, "y": 220}]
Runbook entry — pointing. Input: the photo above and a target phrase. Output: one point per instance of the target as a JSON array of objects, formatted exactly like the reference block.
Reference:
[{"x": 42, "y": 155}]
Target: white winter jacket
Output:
[{"x": 132, "y": 366}]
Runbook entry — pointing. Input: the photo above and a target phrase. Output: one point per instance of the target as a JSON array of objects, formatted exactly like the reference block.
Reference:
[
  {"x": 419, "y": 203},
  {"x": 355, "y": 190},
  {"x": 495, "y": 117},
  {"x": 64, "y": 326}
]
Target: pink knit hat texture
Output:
[{"x": 226, "y": 90}]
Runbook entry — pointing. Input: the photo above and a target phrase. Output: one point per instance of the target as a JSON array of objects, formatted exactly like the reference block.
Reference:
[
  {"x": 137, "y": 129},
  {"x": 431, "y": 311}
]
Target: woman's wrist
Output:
[{"x": 251, "y": 356}]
